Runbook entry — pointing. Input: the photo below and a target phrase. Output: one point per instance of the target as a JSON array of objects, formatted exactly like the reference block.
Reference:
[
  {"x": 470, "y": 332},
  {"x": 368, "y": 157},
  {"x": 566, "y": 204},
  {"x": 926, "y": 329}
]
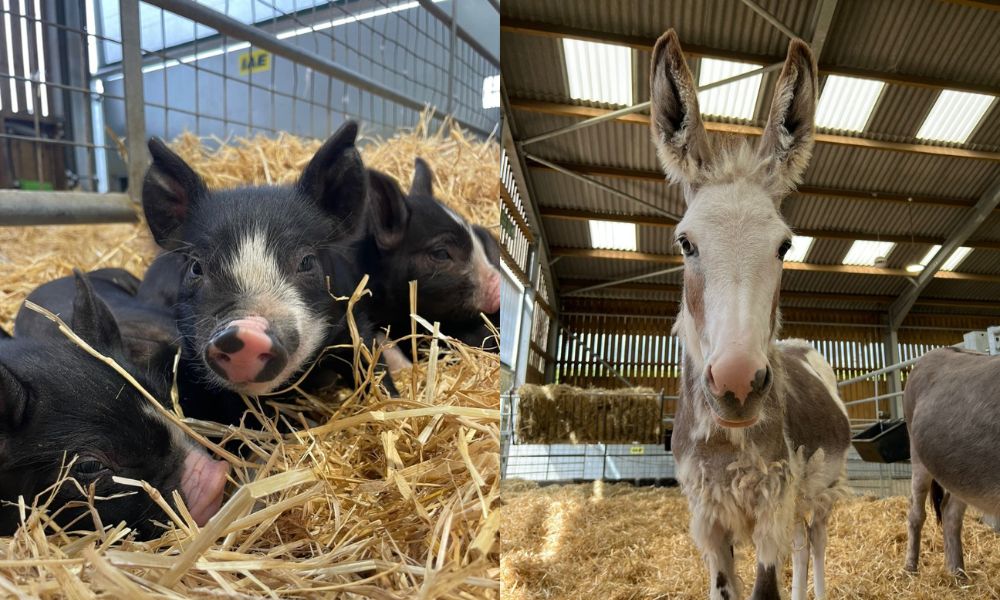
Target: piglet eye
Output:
[
  {"x": 195, "y": 268},
  {"x": 308, "y": 263},
  {"x": 687, "y": 247},
  {"x": 784, "y": 248},
  {"x": 440, "y": 254},
  {"x": 89, "y": 467}
]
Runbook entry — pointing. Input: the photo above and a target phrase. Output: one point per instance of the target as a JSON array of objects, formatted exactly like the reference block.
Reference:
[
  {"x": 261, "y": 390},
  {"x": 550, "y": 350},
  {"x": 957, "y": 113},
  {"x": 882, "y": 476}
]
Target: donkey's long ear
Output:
[
  {"x": 788, "y": 137},
  {"x": 679, "y": 134}
]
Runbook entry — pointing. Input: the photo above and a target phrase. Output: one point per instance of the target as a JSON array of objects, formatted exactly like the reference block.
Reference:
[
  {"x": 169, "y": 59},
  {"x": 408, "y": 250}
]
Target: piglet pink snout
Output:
[
  {"x": 491, "y": 293},
  {"x": 739, "y": 374},
  {"x": 245, "y": 351},
  {"x": 202, "y": 485}
]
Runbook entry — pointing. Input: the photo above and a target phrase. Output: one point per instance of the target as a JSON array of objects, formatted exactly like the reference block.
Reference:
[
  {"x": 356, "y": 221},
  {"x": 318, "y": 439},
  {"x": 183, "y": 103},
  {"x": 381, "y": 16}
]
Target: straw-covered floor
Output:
[
  {"x": 384, "y": 498},
  {"x": 616, "y": 541}
]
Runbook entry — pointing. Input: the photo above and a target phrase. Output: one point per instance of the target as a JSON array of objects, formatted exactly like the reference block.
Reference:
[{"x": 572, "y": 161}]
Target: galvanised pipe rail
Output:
[{"x": 227, "y": 25}]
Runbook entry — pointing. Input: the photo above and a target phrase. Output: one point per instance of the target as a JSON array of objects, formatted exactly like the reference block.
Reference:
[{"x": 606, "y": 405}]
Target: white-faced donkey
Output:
[{"x": 760, "y": 436}]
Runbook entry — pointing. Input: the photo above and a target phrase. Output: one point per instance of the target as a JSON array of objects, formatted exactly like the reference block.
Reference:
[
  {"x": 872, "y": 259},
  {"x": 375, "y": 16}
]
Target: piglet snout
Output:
[
  {"x": 491, "y": 294},
  {"x": 202, "y": 485},
  {"x": 245, "y": 351}
]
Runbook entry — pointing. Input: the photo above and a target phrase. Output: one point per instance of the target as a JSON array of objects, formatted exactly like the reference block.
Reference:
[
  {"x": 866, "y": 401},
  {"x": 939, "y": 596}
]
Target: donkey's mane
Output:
[{"x": 734, "y": 158}]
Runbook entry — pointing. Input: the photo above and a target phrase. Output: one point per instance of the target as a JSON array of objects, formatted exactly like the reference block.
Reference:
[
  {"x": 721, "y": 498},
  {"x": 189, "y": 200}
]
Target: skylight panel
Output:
[
  {"x": 800, "y": 247},
  {"x": 865, "y": 253},
  {"x": 949, "y": 265},
  {"x": 612, "y": 236},
  {"x": 598, "y": 72},
  {"x": 737, "y": 99},
  {"x": 955, "y": 116},
  {"x": 847, "y": 103}
]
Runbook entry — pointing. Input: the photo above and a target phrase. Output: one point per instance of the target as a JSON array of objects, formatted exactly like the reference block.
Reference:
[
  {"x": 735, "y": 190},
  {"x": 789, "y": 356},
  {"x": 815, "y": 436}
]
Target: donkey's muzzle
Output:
[
  {"x": 739, "y": 407},
  {"x": 738, "y": 377}
]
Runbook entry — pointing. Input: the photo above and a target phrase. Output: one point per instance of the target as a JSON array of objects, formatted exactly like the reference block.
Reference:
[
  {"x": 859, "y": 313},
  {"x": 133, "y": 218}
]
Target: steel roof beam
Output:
[
  {"x": 601, "y": 186},
  {"x": 570, "y": 214},
  {"x": 676, "y": 259},
  {"x": 616, "y": 172},
  {"x": 575, "y": 111},
  {"x": 770, "y": 18},
  {"x": 975, "y": 218},
  {"x": 636, "y": 108},
  {"x": 644, "y": 43}
]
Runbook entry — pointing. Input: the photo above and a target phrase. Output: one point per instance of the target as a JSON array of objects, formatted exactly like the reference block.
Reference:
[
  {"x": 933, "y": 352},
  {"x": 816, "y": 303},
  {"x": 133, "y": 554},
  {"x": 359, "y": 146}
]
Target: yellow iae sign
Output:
[{"x": 255, "y": 61}]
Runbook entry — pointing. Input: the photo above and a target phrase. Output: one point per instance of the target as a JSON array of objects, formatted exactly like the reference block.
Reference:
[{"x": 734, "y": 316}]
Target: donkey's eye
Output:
[
  {"x": 687, "y": 247},
  {"x": 784, "y": 248}
]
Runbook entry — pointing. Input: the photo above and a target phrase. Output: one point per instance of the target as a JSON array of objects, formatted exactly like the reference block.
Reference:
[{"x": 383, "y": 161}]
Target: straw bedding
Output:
[
  {"x": 615, "y": 541},
  {"x": 563, "y": 414},
  {"x": 382, "y": 498}
]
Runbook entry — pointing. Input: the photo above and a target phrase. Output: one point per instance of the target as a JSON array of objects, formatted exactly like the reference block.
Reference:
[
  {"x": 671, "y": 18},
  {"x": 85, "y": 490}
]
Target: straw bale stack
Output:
[
  {"x": 616, "y": 541},
  {"x": 385, "y": 498},
  {"x": 563, "y": 414}
]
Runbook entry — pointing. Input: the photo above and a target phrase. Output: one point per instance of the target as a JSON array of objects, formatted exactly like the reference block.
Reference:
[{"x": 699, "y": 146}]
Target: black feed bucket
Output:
[{"x": 883, "y": 442}]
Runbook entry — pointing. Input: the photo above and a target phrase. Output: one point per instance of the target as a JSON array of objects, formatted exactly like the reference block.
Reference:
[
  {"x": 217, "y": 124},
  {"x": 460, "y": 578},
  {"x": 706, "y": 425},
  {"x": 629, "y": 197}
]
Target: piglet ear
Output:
[
  {"x": 335, "y": 177},
  {"x": 423, "y": 179},
  {"x": 13, "y": 400},
  {"x": 93, "y": 320},
  {"x": 389, "y": 213},
  {"x": 169, "y": 191}
]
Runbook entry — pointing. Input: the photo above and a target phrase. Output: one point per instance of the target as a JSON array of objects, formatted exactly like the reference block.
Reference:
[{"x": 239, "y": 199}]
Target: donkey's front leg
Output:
[
  {"x": 800, "y": 560},
  {"x": 716, "y": 545},
  {"x": 771, "y": 539}
]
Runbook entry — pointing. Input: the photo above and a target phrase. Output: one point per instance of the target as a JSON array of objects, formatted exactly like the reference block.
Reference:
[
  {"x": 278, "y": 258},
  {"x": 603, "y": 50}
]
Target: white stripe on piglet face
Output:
[{"x": 263, "y": 289}]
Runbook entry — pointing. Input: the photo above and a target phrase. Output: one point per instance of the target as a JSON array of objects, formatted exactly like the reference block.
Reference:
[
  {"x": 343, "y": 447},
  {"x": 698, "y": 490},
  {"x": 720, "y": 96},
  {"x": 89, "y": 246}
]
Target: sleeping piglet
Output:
[
  {"x": 59, "y": 405},
  {"x": 455, "y": 264}
]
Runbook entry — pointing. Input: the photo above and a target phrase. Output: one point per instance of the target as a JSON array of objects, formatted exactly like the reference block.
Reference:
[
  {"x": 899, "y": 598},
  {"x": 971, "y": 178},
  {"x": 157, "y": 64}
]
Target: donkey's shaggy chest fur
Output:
[{"x": 762, "y": 477}]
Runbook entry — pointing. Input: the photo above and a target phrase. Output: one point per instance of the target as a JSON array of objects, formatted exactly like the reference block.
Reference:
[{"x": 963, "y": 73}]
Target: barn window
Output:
[
  {"x": 737, "y": 99},
  {"x": 847, "y": 103},
  {"x": 949, "y": 265},
  {"x": 800, "y": 247},
  {"x": 598, "y": 72},
  {"x": 612, "y": 236},
  {"x": 954, "y": 116},
  {"x": 866, "y": 252}
]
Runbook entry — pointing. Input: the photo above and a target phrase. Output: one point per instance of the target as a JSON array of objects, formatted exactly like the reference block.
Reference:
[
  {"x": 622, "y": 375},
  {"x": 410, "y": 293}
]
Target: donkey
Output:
[
  {"x": 951, "y": 411},
  {"x": 760, "y": 435}
]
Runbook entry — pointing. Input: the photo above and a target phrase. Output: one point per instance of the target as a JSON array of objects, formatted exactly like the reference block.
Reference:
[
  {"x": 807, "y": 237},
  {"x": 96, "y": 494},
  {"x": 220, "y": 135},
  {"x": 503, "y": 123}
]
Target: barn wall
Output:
[{"x": 641, "y": 349}]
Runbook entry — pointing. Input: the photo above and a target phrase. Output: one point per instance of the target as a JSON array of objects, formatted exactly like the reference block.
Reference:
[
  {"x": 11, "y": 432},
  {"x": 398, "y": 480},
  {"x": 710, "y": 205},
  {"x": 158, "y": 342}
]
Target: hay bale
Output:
[
  {"x": 604, "y": 540},
  {"x": 384, "y": 498},
  {"x": 563, "y": 414}
]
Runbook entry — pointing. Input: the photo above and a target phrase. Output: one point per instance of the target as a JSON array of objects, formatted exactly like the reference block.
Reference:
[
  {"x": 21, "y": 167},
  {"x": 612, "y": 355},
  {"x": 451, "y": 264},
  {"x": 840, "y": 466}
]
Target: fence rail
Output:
[{"x": 77, "y": 76}]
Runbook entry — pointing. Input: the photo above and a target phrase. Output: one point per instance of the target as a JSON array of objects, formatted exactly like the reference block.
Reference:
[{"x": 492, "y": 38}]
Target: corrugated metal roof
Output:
[
  {"x": 716, "y": 23},
  {"x": 935, "y": 39},
  {"x": 850, "y": 167},
  {"x": 911, "y": 37}
]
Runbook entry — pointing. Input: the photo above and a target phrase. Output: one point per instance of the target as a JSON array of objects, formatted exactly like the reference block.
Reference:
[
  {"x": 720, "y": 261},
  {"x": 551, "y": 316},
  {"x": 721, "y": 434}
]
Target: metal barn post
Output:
[{"x": 135, "y": 117}]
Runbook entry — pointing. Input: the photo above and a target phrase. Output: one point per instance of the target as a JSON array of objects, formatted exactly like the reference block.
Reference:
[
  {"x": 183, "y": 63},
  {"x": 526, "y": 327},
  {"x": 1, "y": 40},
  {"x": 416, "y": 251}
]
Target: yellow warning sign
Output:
[
  {"x": 255, "y": 62},
  {"x": 637, "y": 450}
]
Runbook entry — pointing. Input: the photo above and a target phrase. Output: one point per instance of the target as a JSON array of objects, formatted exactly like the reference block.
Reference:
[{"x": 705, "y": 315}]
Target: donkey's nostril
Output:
[
  {"x": 762, "y": 378},
  {"x": 265, "y": 356},
  {"x": 710, "y": 378}
]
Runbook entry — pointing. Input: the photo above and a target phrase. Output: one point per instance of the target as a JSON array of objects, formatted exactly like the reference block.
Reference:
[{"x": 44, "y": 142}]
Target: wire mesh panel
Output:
[{"x": 63, "y": 81}]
